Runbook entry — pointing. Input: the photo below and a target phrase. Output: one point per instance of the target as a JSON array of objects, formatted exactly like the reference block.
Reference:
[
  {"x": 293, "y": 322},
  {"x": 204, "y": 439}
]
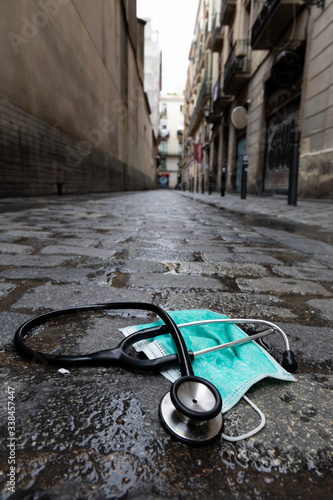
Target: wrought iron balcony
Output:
[
  {"x": 237, "y": 68},
  {"x": 206, "y": 8},
  {"x": 220, "y": 101},
  {"x": 228, "y": 8},
  {"x": 207, "y": 35},
  {"x": 197, "y": 114},
  {"x": 201, "y": 57},
  {"x": 217, "y": 36},
  {"x": 272, "y": 21}
]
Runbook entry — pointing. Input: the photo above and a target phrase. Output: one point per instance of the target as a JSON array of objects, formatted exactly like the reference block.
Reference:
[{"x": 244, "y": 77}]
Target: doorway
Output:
[{"x": 241, "y": 151}]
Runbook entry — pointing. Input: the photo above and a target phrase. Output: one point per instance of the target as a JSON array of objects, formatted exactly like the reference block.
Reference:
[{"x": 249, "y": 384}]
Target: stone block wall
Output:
[
  {"x": 74, "y": 117},
  {"x": 316, "y": 156}
]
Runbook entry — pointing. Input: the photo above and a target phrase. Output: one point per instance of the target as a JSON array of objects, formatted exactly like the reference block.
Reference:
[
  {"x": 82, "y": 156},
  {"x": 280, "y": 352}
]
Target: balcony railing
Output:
[
  {"x": 220, "y": 100},
  {"x": 197, "y": 114},
  {"x": 237, "y": 68},
  {"x": 217, "y": 36},
  {"x": 227, "y": 12},
  {"x": 272, "y": 21},
  {"x": 208, "y": 34},
  {"x": 163, "y": 148}
]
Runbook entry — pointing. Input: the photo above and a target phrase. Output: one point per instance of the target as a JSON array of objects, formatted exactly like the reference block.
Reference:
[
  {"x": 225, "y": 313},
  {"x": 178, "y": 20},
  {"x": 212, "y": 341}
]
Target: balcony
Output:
[
  {"x": 163, "y": 148},
  {"x": 207, "y": 35},
  {"x": 220, "y": 101},
  {"x": 272, "y": 21},
  {"x": 201, "y": 58},
  {"x": 237, "y": 68},
  {"x": 228, "y": 8},
  {"x": 201, "y": 33},
  {"x": 206, "y": 8},
  {"x": 197, "y": 75},
  {"x": 180, "y": 136},
  {"x": 217, "y": 36},
  {"x": 197, "y": 114}
]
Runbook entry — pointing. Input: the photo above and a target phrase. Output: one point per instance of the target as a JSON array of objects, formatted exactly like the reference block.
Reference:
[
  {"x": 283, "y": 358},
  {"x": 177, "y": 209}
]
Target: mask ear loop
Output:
[{"x": 250, "y": 433}]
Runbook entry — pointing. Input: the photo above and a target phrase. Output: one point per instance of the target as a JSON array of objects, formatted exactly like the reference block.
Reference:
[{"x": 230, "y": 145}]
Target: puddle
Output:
[{"x": 312, "y": 232}]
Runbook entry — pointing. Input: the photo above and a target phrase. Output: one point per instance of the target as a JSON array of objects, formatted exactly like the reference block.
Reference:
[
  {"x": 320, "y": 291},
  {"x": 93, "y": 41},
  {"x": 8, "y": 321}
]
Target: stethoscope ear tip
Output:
[{"x": 191, "y": 411}]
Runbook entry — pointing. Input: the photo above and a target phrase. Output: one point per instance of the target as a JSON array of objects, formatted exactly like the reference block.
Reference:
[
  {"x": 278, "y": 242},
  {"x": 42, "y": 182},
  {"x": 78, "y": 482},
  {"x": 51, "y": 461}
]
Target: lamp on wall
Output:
[
  {"x": 286, "y": 68},
  {"x": 206, "y": 111}
]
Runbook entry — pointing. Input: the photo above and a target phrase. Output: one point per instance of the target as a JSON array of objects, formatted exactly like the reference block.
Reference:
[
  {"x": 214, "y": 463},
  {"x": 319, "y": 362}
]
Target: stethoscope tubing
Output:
[
  {"x": 183, "y": 357},
  {"x": 245, "y": 340},
  {"x": 289, "y": 362},
  {"x": 272, "y": 326},
  {"x": 118, "y": 356}
]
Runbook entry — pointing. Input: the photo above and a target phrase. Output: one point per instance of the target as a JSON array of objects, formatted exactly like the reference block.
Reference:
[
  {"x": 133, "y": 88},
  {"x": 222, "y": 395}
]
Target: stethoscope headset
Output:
[{"x": 191, "y": 410}]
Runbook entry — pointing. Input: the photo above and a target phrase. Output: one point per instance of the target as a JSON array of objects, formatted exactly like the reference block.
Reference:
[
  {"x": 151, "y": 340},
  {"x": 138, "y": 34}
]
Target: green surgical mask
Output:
[{"x": 232, "y": 371}]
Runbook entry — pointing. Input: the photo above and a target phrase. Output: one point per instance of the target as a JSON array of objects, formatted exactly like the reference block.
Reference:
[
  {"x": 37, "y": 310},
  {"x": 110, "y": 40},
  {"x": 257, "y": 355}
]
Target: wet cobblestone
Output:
[{"x": 95, "y": 432}]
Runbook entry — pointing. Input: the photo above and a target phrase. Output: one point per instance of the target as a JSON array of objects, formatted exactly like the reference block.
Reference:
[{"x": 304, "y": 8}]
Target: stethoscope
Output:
[{"x": 191, "y": 410}]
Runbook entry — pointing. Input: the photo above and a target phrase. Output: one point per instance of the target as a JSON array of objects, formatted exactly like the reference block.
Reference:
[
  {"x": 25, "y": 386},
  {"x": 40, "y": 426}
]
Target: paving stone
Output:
[
  {"x": 100, "y": 232},
  {"x": 281, "y": 286},
  {"x": 264, "y": 250},
  {"x": 10, "y": 322},
  {"x": 51, "y": 296},
  {"x": 135, "y": 266},
  {"x": 6, "y": 288},
  {"x": 295, "y": 415},
  {"x": 14, "y": 234},
  {"x": 157, "y": 255},
  {"x": 245, "y": 238},
  {"x": 312, "y": 263},
  {"x": 77, "y": 250},
  {"x": 60, "y": 275},
  {"x": 325, "y": 307},
  {"x": 75, "y": 242},
  {"x": 312, "y": 346},
  {"x": 172, "y": 281},
  {"x": 326, "y": 259},
  {"x": 36, "y": 260},
  {"x": 233, "y": 305},
  {"x": 14, "y": 248},
  {"x": 241, "y": 258},
  {"x": 307, "y": 273},
  {"x": 221, "y": 269},
  {"x": 300, "y": 243},
  {"x": 204, "y": 247}
]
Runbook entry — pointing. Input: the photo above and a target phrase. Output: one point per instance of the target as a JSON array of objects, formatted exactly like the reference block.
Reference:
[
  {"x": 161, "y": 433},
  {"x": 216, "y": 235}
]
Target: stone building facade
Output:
[
  {"x": 260, "y": 77},
  {"x": 153, "y": 73},
  {"x": 74, "y": 116},
  {"x": 171, "y": 140}
]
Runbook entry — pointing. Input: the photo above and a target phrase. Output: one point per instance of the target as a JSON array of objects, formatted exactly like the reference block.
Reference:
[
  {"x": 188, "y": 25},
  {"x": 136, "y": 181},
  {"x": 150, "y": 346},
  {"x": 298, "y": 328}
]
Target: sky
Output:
[{"x": 174, "y": 20}]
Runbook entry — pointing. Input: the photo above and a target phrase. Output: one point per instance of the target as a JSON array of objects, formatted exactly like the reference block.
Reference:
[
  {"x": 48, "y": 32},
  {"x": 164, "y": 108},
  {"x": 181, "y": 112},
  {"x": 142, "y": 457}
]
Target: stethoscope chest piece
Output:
[{"x": 191, "y": 411}]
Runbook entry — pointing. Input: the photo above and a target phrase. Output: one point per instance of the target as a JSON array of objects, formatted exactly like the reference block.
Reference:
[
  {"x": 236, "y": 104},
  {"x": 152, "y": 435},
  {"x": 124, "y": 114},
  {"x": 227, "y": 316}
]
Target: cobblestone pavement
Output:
[
  {"x": 318, "y": 214},
  {"x": 95, "y": 432}
]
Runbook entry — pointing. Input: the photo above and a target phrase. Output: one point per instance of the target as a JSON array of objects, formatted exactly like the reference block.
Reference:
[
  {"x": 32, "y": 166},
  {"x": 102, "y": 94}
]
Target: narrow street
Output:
[{"x": 95, "y": 432}]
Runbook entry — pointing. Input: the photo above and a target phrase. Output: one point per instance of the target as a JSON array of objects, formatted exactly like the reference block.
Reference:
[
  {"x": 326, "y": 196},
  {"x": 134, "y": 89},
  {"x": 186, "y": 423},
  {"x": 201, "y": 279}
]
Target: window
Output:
[
  {"x": 163, "y": 147},
  {"x": 182, "y": 108},
  {"x": 163, "y": 164},
  {"x": 164, "y": 109}
]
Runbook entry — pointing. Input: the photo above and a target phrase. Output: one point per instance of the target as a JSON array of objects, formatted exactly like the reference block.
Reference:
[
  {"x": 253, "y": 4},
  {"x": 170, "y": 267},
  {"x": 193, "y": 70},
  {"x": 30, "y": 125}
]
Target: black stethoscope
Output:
[{"x": 191, "y": 411}]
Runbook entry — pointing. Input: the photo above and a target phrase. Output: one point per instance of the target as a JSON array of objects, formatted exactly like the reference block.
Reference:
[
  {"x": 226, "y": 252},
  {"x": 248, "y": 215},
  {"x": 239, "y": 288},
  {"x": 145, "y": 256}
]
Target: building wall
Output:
[
  {"x": 74, "y": 117},
  {"x": 173, "y": 122},
  {"x": 316, "y": 158},
  {"x": 273, "y": 110},
  {"x": 152, "y": 68}
]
